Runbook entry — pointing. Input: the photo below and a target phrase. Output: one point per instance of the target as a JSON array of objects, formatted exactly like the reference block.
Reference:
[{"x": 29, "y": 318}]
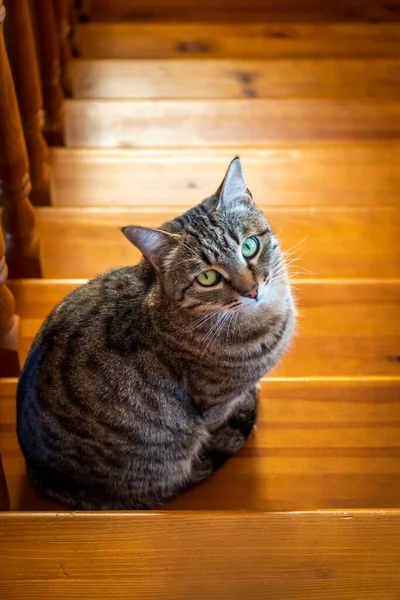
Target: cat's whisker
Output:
[
  {"x": 215, "y": 330},
  {"x": 214, "y": 324},
  {"x": 224, "y": 325},
  {"x": 303, "y": 270},
  {"x": 233, "y": 324},
  {"x": 281, "y": 269},
  {"x": 291, "y": 260},
  {"x": 208, "y": 336},
  {"x": 282, "y": 264},
  {"x": 201, "y": 321},
  {"x": 228, "y": 324},
  {"x": 287, "y": 276},
  {"x": 286, "y": 267},
  {"x": 290, "y": 250},
  {"x": 287, "y": 258}
]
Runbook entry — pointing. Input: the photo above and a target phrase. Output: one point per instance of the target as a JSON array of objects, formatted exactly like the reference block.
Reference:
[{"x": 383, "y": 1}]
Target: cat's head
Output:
[{"x": 220, "y": 255}]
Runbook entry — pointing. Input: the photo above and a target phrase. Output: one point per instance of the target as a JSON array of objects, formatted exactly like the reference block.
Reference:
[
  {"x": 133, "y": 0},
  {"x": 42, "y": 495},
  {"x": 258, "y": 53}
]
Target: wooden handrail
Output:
[
  {"x": 48, "y": 52},
  {"x": 18, "y": 216},
  {"x": 62, "y": 17},
  {"x": 9, "y": 364},
  {"x": 22, "y": 56}
]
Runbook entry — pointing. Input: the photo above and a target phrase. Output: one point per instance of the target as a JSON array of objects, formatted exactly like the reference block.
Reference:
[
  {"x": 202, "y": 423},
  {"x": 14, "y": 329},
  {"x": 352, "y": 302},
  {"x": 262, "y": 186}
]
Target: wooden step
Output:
[
  {"x": 238, "y": 40},
  {"x": 302, "y": 175},
  {"x": 233, "y": 123},
  {"x": 202, "y": 78},
  {"x": 345, "y": 328},
  {"x": 336, "y": 554},
  {"x": 256, "y": 10},
  {"x": 321, "y": 443},
  {"x": 335, "y": 242}
]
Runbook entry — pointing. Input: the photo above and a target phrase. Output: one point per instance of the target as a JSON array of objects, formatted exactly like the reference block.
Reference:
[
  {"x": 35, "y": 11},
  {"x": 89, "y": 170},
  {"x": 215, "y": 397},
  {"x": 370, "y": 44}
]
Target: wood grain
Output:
[
  {"x": 48, "y": 52},
  {"x": 342, "y": 555},
  {"x": 233, "y": 123},
  {"x": 299, "y": 175},
  {"x": 22, "y": 54},
  {"x": 238, "y": 40},
  {"x": 256, "y": 10},
  {"x": 62, "y": 10},
  {"x": 345, "y": 327},
  {"x": 335, "y": 242},
  {"x": 18, "y": 217},
  {"x": 4, "y": 497},
  {"x": 320, "y": 443},
  {"x": 337, "y": 554},
  {"x": 9, "y": 363},
  {"x": 202, "y": 78}
]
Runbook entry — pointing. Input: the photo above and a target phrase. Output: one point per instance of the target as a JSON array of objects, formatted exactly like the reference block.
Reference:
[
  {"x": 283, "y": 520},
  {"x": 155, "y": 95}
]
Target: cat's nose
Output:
[{"x": 251, "y": 293}]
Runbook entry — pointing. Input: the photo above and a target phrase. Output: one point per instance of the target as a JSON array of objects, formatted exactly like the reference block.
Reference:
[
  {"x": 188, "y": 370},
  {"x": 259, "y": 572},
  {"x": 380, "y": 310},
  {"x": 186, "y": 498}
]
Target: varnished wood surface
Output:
[
  {"x": 62, "y": 9},
  {"x": 328, "y": 435},
  {"x": 296, "y": 175},
  {"x": 18, "y": 217},
  {"x": 233, "y": 123},
  {"x": 345, "y": 327},
  {"x": 22, "y": 54},
  {"x": 4, "y": 497},
  {"x": 206, "y": 78},
  {"x": 338, "y": 555},
  {"x": 257, "y": 10},
  {"x": 238, "y": 40},
  {"x": 319, "y": 444},
  {"x": 333, "y": 242},
  {"x": 9, "y": 331},
  {"x": 48, "y": 52}
]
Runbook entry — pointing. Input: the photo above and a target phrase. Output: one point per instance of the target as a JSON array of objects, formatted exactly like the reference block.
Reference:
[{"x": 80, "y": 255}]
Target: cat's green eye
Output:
[
  {"x": 250, "y": 247},
  {"x": 209, "y": 278}
]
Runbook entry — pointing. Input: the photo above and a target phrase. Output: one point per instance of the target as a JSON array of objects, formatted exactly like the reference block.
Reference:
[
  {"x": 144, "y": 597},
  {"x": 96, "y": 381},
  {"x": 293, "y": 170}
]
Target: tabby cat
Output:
[{"x": 143, "y": 381}]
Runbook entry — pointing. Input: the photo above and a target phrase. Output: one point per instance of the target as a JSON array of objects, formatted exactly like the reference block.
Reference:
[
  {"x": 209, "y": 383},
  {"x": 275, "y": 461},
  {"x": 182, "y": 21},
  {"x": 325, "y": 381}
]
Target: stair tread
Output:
[
  {"x": 237, "y": 40},
  {"x": 227, "y": 78},
  {"x": 336, "y": 241},
  {"x": 233, "y": 123},
  {"x": 362, "y": 338},
  {"x": 313, "y": 175},
  {"x": 323, "y": 443}
]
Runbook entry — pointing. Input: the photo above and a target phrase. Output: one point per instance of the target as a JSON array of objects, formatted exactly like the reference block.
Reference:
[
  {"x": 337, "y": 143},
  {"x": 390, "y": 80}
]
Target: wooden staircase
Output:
[{"x": 310, "y": 99}]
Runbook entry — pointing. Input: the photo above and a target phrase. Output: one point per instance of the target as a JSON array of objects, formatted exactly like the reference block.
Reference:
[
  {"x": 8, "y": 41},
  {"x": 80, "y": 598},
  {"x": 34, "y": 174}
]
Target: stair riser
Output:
[
  {"x": 234, "y": 123},
  {"x": 360, "y": 243},
  {"x": 344, "y": 328},
  {"x": 240, "y": 40},
  {"x": 358, "y": 175},
  {"x": 165, "y": 79}
]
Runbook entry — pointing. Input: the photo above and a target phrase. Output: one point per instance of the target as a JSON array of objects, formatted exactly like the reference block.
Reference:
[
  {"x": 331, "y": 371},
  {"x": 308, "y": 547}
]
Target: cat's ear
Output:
[
  {"x": 150, "y": 242},
  {"x": 233, "y": 190}
]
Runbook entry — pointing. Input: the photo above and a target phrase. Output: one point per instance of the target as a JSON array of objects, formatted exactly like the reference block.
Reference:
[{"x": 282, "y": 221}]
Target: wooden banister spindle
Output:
[
  {"x": 9, "y": 363},
  {"x": 62, "y": 16},
  {"x": 22, "y": 56},
  {"x": 18, "y": 216},
  {"x": 48, "y": 52},
  {"x": 4, "y": 497},
  {"x": 73, "y": 18}
]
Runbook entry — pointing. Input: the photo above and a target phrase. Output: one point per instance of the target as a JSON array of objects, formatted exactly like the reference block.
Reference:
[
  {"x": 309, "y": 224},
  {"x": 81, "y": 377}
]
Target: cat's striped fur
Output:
[{"x": 141, "y": 382}]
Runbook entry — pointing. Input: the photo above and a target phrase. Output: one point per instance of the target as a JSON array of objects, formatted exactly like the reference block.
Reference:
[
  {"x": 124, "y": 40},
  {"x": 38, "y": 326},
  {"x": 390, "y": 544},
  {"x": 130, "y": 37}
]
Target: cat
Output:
[{"x": 144, "y": 381}]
